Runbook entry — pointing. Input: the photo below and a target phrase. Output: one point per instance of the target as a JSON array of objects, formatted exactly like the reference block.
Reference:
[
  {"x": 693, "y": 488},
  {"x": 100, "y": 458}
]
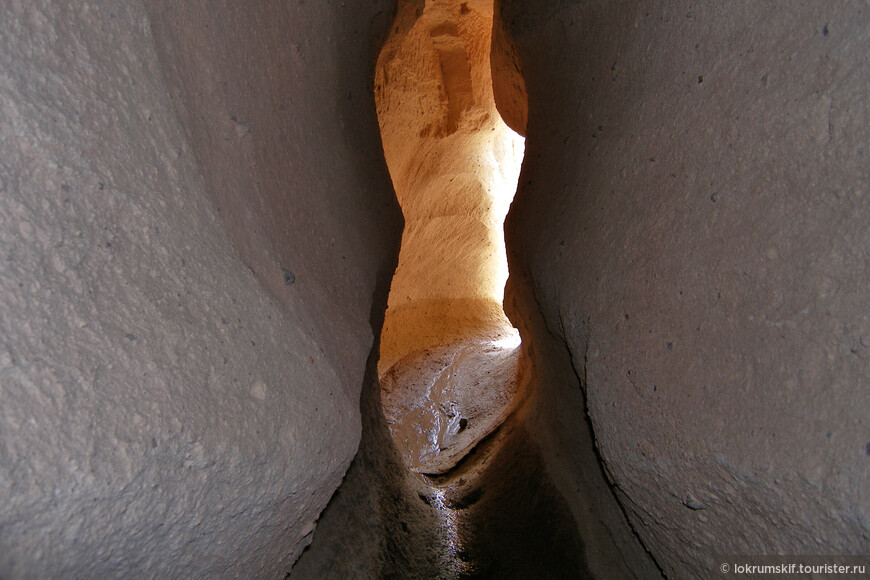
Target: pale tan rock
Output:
[
  {"x": 454, "y": 164},
  {"x": 198, "y": 233}
]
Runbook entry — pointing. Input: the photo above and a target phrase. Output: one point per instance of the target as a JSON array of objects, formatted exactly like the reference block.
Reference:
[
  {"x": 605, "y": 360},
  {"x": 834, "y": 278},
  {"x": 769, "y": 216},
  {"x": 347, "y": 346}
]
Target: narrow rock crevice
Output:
[
  {"x": 456, "y": 382},
  {"x": 212, "y": 318}
]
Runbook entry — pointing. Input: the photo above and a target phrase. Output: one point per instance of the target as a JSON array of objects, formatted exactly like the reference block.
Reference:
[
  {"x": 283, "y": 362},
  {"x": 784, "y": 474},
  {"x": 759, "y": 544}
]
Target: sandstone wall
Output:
[
  {"x": 693, "y": 221},
  {"x": 454, "y": 164},
  {"x": 187, "y": 278}
]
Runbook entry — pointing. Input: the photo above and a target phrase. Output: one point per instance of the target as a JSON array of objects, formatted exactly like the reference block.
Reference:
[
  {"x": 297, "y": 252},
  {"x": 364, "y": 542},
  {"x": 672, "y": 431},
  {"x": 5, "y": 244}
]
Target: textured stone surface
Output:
[
  {"x": 167, "y": 412},
  {"x": 277, "y": 103},
  {"x": 693, "y": 215},
  {"x": 454, "y": 164},
  {"x": 197, "y": 229},
  {"x": 508, "y": 84},
  {"x": 440, "y": 403},
  {"x": 495, "y": 513}
]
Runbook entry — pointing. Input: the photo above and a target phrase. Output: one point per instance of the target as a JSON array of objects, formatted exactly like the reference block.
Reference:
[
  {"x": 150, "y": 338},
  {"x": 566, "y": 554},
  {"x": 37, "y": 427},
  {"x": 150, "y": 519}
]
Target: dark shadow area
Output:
[
  {"x": 513, "y": 523},
  {"x": 374, "y": 526}
]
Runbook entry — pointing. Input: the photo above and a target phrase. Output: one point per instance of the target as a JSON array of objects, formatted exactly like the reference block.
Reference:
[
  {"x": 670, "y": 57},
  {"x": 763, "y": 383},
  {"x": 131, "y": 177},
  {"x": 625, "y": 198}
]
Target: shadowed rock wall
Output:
[
  {"x": 377, "y": 527},
  {"x": 188, "y": 273},
  {"x": 197, "y": 232},
  {"x": 693, "y": 221}
]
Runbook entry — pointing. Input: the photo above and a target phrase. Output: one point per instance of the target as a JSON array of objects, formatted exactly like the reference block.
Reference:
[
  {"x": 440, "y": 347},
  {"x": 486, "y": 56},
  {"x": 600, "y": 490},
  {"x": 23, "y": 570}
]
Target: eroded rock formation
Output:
[
  {"x": 198, "y": 232},
  {"x": 196, "y": 228},
  {"x": 692, "y": 220},
  {"x": 454, "y": 164}
]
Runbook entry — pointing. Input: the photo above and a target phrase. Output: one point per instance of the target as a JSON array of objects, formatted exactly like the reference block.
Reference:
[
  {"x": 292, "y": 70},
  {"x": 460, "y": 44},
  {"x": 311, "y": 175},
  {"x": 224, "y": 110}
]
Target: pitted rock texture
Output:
[
  {"x": 693, "y": 221},
  {"x": 167, "y": 413},
  {"x": 198, "y": 230}
]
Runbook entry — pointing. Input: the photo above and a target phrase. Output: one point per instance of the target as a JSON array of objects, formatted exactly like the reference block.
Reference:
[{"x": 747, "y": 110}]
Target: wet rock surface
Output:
[
  {"x": 495, "y": 514},
  {"x": 511, "y": 520},
  {"x": 441, "y": 402}
]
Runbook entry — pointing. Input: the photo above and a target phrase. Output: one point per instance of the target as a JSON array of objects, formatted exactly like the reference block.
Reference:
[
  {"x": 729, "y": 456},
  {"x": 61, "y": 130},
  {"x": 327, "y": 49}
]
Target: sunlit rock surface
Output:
[{"x": 454, "y": 165}]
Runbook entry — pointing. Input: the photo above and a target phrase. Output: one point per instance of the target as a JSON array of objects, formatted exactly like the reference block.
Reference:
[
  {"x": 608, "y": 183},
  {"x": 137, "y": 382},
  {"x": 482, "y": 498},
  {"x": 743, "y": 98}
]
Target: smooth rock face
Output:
[
  {"x": 452, "y": 381},
  {"x": 165, "y": 411},
  {"x": 694, "y": 220},
  {"x": 442, "y": 402}
]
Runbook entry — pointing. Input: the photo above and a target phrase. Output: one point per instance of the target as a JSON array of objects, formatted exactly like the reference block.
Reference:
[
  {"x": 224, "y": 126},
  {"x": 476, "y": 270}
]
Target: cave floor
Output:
[{"x": 453, "y": 413}]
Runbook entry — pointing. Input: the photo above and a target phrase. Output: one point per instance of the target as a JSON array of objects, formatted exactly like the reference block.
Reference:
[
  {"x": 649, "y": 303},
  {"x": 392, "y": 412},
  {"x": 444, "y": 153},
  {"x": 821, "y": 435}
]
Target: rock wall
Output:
[
  {"x": 454, "y": 165},
  {"x": 197, "y": 236},
  {"x": 496, "y": 514},
  {"x": 198, "y": 233},
  {"x": 692, "y": 221}
]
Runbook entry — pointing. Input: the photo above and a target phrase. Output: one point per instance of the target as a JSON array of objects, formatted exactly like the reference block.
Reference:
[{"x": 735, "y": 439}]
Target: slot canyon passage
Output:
[
  {"x": 454, "y": 165},
  {"x": 200, "y": 233}
]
